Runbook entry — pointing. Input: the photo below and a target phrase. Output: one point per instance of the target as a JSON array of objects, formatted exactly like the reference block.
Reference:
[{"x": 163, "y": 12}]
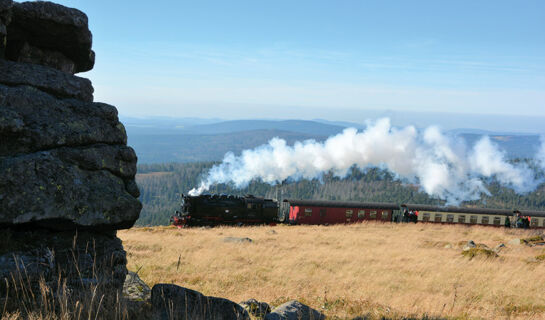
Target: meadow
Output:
[{"x": 345, "y": 271}]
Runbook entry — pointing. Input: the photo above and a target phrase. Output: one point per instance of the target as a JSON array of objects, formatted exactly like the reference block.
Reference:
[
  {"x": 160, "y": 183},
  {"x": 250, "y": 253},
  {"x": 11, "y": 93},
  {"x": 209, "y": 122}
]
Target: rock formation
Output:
[
  {"x": 171, "y": 302},
  {"x": 66, "y": 174},
  {"x": 294, "y": 310}
]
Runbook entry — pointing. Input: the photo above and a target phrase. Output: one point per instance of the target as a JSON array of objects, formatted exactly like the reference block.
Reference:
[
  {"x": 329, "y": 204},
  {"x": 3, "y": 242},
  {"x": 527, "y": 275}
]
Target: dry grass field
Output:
[{"x": 373, "y": 269}]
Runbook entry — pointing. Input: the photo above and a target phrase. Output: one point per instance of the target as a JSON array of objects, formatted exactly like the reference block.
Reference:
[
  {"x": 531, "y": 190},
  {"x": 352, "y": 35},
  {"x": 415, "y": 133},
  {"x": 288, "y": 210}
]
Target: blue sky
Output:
[{"x": 309, "y": 59}]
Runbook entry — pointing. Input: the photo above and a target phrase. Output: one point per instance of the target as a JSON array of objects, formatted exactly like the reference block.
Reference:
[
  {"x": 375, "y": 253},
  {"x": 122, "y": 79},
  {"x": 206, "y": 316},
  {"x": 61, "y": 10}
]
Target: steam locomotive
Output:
[{"x": 211, "y": 210}]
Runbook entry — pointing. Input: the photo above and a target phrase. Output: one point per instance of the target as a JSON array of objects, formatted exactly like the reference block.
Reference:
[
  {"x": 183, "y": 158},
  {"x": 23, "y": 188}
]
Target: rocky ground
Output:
[{"x": 168, "y": 301}]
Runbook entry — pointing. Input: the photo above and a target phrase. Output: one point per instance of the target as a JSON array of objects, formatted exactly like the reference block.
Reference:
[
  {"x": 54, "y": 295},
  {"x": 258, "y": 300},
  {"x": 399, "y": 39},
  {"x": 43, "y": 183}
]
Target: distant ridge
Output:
[
  {"x": 163, "y": 139},
  {"x": 206, "y": 147},
  {"x": 300, "y": 126}
]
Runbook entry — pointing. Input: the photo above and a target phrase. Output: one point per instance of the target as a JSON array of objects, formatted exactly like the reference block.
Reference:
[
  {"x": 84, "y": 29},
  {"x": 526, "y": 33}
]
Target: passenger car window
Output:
[
  {"x": 373, "y": 214},
  {"x": 484, "y": 220},
  {"x": 438, "y": 217},
  {"x": 461, "y": 219},
  {"x": 473, "y": 219},
  {"x": 361, "y": 214},
  {"x": 349, "y": 213}
]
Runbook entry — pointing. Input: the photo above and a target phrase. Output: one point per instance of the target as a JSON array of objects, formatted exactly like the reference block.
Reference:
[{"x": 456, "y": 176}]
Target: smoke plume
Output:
[{"x": 443, "y": 167}]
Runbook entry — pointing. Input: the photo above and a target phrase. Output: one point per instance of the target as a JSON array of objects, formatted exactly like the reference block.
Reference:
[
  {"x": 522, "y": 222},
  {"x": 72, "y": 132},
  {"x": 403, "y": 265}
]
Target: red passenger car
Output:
[{"x": 333, "y": 212}]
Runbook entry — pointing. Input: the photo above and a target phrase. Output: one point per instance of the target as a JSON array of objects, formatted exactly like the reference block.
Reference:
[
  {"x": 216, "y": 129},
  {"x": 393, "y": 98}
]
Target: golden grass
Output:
[{"x": 345, "y": 271}]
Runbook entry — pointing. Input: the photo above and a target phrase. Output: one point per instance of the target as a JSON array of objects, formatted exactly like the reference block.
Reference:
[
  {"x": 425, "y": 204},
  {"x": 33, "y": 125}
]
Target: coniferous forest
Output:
[{"x": 162, "y": 184}]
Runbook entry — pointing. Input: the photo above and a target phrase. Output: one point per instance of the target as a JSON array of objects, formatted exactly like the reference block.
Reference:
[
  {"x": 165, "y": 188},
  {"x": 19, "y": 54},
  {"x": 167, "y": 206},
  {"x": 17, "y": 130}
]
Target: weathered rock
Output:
[
  {"x": 5, "y": 5},
  {"x": 173, "y": 302},
  {"x": 537, "y": 240},
  {"x": 44, "y": 57},
  {"x": 5, "y": 18},
  {"x": 73, "y": 158},
  {"x": 62, "y": 195},
  {"x": 66, "y": 175},
  {"x": 294, "y": 310},
  {"x": 237, "y": 240},
  {"x": 5, "y": 11},
  {"x": 470, "y": 244},
  {"x": 256, "y": 308},
  {"x": 3, "y": 39},
  {"x": 31, "y": 120},
  {"x": 137, "y": 295},
  {"x": 499, "y": 248},
  {"x": 480, "y": 253},
  {"x": 119, "y": 160},
  {"x": 136, "y": 289},
  {"x": 79, "y": 259},
  {"x": 51, "y": 27},
  {"x": 49, "y": 80}
]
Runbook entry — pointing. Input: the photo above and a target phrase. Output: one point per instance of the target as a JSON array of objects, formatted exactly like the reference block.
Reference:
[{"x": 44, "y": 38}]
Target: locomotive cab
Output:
[{"x": 185, "y": 206}]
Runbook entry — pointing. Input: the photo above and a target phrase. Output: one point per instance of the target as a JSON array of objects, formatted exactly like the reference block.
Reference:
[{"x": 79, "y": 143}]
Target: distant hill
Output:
[
  {"x": 159, "y": 148},
  {"x": 161, "y": 125},
  {"x": 300, "y": 126},
  {"x": 159, "y": 140},
  {"x": 515, "y": 146}
]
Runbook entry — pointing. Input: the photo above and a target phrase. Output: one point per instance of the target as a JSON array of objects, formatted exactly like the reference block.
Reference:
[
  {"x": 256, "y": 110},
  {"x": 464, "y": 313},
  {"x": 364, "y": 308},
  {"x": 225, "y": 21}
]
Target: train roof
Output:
[
  {"x": 219, "y": 197},
  {"x": 342, "y": 204},
  {"x": 532, "y": 213},
  {"x": 426, "y": 207}
]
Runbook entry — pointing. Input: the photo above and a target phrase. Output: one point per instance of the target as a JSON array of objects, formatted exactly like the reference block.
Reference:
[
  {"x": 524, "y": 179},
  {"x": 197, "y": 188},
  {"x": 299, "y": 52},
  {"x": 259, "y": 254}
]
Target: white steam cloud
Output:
[{"x": 443, "y": 167}]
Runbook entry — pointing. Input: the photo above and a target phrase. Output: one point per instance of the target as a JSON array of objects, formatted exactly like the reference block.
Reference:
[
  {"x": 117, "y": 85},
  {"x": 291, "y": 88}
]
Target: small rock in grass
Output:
[
  {"x": 294, "y": 310},
  {"x": 237, "y": 239},
  {"x": 499, "y": 247},
  {"x": 136, "y": 289},
  {"x": 171, "y": 302},
  {"x": 469, "y": 245},
  {"x": 479, "y": 252},
  {"x": 256, "y": 308}
]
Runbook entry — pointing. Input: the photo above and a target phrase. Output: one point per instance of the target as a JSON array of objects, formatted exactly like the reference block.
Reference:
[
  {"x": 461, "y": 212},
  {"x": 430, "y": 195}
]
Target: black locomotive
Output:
[{"x": 210, "y": 210}]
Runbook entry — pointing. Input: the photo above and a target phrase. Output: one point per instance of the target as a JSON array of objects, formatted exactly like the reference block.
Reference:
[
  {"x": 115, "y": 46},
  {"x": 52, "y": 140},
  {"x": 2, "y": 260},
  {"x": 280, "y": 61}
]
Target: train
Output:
[{"x": 212, "y": 210}]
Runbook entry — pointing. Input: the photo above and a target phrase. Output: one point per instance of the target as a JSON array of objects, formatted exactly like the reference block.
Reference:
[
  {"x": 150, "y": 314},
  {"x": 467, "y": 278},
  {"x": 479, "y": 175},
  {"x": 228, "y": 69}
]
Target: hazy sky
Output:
[{"x": 309, "y": 59}]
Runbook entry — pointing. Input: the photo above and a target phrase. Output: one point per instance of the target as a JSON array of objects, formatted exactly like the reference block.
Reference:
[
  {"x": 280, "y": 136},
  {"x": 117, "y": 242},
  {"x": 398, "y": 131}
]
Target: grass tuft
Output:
[{"x": 479, "y": 253}]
